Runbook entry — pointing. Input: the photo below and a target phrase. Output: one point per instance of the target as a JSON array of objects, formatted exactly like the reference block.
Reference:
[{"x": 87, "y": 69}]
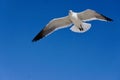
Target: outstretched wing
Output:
[
  {"x": 89, "y": 15},
  {"x": 53, "y": 25}
]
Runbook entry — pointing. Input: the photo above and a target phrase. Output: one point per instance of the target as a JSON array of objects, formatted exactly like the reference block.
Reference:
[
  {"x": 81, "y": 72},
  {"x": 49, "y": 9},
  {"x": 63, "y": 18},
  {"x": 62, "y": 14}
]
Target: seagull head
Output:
[{"x": 70, "y": 12}]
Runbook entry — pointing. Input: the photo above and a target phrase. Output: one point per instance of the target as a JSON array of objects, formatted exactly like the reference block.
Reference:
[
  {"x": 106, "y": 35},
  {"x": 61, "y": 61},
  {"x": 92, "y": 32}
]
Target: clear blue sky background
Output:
[{"x": 64, "y": 55}]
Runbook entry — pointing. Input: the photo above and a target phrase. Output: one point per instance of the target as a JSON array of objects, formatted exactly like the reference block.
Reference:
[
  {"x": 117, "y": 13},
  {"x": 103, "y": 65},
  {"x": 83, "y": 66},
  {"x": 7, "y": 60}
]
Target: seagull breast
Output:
[{"x": 75, "y": 19}]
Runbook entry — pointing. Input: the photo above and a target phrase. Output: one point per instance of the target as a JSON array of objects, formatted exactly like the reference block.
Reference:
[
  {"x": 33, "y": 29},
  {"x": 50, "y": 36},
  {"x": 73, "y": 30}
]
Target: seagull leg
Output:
[{"x": 81, "y": 28}]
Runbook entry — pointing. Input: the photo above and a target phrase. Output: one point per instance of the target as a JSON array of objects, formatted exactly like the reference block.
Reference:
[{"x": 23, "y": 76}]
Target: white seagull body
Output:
[{"x": 77, "y": 19}]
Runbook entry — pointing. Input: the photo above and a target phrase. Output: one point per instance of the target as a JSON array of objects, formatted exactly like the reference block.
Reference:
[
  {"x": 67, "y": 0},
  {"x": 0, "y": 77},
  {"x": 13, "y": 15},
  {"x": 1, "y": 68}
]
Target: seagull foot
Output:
[{"x": 81, "y": 29}]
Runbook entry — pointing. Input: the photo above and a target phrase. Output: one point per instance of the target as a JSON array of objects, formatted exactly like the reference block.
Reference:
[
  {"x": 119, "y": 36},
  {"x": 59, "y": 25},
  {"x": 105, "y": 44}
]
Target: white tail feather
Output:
[{"x": 85, "y": 26}]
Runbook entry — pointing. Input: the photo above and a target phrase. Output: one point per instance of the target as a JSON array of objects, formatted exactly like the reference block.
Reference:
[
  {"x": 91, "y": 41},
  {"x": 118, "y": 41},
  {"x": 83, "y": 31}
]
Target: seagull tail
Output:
[{"x": 85, "y": 26}]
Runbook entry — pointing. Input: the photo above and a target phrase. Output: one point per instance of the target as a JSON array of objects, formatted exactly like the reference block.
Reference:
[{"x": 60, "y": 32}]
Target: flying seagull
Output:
[{"x": 77, "y": 19}]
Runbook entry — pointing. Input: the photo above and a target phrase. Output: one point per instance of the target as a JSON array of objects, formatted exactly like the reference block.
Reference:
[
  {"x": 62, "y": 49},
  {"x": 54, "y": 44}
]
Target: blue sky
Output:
[{"x": 64, "y": 55}]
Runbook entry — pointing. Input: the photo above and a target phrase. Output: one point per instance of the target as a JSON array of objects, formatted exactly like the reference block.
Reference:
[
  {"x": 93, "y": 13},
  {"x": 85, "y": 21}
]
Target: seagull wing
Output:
[
  {"x": 53, "y": 25},
  {"x": 89, "y": 15}
]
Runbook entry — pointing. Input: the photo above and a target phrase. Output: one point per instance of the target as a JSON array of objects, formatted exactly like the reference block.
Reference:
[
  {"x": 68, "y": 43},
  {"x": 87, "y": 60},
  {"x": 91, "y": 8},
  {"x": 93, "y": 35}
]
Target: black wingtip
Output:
[
  {"x": 108, "y": 19},
  {"x": 38, "y": 36},
  {"x": 34, "y": 40}
]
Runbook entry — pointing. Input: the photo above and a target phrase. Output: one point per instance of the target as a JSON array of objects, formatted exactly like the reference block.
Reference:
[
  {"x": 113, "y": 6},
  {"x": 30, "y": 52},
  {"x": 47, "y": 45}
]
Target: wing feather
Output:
[
  {"x": 89, "y": 15},
  {"x": 53, "y": 25}
]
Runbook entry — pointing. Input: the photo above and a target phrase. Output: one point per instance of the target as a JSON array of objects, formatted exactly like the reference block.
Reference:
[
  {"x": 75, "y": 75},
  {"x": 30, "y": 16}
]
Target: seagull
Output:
[{"x": 77, "y": 19}]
